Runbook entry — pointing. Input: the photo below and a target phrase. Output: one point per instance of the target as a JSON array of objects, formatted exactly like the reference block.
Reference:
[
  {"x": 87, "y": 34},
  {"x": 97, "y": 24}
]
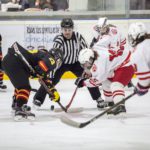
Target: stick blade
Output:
[
  {"x": 70, "y": 122},
  {"x": 71, "y": 110}
]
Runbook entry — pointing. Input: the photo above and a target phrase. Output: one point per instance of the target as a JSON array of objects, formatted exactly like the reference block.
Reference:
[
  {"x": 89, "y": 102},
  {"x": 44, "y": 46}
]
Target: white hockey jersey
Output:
[
  {"x": 107, "y": 62},
  {"x": 114, "y": 40},
  {"x": 141, "y": 61}
]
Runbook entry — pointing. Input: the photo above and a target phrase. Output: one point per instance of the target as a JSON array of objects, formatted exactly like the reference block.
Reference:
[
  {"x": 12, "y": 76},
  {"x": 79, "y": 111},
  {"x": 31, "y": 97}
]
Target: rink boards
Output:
[{"x": 41, "y": 33}]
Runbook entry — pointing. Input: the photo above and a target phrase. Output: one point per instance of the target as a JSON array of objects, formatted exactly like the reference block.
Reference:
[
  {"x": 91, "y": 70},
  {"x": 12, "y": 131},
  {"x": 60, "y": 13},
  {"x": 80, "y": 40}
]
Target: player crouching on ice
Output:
[
  {"x": 110, "y": 68},
  {"x": 19, "y": 64}
]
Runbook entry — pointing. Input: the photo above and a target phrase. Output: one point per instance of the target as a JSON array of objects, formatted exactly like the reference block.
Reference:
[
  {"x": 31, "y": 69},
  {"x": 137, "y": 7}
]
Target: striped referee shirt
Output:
[{"x": 70, "y": 47}]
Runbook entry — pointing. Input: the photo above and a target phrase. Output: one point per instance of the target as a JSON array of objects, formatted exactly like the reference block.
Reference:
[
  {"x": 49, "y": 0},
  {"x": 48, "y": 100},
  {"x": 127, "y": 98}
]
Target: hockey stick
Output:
[
  {"x": 71, "y": 110},
  {"x": 72, "y": 123},
  {"x": 72, "y": 98},
  {"x": 16, "y": 48}
]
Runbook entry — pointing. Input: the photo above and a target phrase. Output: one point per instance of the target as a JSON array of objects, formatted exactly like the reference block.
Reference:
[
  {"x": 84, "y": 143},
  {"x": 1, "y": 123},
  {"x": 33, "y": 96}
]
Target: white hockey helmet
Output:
[
  {"x": 102, "y": 22},
  {"x": 136, "y": 31},
  {"x": 86, "y": 58}
]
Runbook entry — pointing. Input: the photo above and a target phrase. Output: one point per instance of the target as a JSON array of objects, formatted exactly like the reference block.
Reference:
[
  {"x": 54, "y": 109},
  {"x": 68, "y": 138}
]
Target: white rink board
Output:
[{"x": 39, "y": 33}]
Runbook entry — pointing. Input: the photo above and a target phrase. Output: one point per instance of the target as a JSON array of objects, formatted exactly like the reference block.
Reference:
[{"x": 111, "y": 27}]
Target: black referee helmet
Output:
[{"x": 67, "y": 23}]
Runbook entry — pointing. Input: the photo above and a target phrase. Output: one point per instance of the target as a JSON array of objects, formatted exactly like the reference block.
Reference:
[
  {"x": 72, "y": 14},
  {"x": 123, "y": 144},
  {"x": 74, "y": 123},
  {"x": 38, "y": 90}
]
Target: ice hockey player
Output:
[
  {"x": 109, "y": 36},
  {"x": 2, "y": 86},
  {"x": 110, "y": 68},
  {"x": 19, "y": 64},
  {"x": 139, "y": 39}
]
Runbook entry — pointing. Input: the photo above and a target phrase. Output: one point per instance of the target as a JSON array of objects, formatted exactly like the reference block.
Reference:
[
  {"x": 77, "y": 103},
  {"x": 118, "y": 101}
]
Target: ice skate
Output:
[
  {"x": 120, "y": 109},
  {"x": 101, "y": 104},
  {"x": 23, "y": 112}
]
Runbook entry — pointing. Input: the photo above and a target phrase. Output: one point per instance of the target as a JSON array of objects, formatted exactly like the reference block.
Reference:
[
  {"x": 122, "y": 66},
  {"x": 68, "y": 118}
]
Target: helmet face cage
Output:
[
  {"x": 88, "y": 64},
  {"x": 58, "y": 56},
  {"x": 104, "y": 30}
]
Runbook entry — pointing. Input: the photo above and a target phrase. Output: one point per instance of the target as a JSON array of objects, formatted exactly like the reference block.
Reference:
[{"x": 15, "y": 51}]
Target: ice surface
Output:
[{"x": 49, "y": 133}]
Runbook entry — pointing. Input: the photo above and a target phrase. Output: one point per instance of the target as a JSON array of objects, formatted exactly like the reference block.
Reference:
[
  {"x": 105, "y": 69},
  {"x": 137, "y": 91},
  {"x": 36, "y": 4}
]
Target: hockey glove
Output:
[
  {"x": 80, "y": 82},
  {"x": 140, "y": 90},
  {"x": 54, "y": 96}
]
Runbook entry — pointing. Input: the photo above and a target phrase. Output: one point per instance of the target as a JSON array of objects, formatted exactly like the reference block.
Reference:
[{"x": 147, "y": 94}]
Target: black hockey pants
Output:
[{"x": 18, "y": 76}]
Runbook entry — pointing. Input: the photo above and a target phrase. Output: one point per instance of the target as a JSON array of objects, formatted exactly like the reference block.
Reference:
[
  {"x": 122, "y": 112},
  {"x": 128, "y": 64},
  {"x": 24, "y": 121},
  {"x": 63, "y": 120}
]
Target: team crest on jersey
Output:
[{"x": 94, "y": 68}]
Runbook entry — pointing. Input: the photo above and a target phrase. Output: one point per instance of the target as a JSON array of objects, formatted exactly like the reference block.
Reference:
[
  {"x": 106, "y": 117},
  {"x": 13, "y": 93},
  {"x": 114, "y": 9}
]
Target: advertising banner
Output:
[
  {"x": 29, "y": 34},
  {"x": 36, "y": 36}
]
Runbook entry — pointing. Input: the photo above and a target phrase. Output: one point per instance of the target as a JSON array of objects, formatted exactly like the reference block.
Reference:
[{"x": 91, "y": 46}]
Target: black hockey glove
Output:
[
  {"x": 140, "y": 90},
  {"x": 80, "y": 82}
]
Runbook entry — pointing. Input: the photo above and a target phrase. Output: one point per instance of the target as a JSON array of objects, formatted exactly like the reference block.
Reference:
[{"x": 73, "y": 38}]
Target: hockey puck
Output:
[{"x": 52, "y": 107}]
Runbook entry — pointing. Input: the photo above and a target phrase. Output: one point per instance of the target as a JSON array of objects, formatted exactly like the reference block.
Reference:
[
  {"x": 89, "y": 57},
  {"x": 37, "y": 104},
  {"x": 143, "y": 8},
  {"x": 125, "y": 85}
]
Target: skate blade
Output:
[
  {"x": 20, "y": 118},
  {"x": 119, "y": 116},
  {"x": 31, "y": 118},
  {"x": 103, "y": 109}
]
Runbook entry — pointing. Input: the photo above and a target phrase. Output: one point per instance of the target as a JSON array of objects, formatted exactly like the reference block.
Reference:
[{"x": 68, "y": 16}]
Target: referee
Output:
[{"x": 70, "y": 42}]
